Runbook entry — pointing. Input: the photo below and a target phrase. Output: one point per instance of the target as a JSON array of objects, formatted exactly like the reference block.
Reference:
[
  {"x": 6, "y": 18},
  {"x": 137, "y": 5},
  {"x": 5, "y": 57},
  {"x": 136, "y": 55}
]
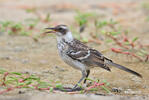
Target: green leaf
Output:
[
  {"x": 103, "y": 32},
  {"x": 48, "y": 17},
  {"x": 81, "y": 92},
  {"x": 85, "y": 39},
  {"x": 114, "y": 33},
  {"x": 109, "y": 41},
  {"x": 10, "y": 32},
  {"x": 82, "y": 18},
  {"x": 9, "y": 81},
  {"x": 6, "y": 23},
  {"x": 12, "y": 78},
  {"x": 19, "y": 84},
  {"x": 17, "y": 26},
  {"x": 107, "y": 84},
  {"x": 60, "y": 86},
  {"x": 51, "y": 89},
  {"x": 106, "y": 89},
  {"x": 25, "y": 33},
  {"x": 101, "y": 24},
  {"x": 29, "y": 10},
  {"x": 28, "y": 83},
  {"x": 143, "y": 51},
  {"x": 32, "y": 77},
  {"x": 140, "y": 54},
  {"x": 16, "y": 73},
  {"x": 44, "y": 83},
  {"x": 135, "y": 39},
  {"x": 127, "y": 43},
  {"x": 2, "y": 71},
  {"x": 42, "y": 86},
  {"x": 90, "y": 79},
  {"x": 80, "y": 85},
  {"x": 94, "y": 89}
]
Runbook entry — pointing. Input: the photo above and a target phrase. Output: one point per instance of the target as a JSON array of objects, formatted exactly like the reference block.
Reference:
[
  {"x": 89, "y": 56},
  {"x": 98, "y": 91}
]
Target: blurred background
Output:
[{"x": 117, "y": 28}]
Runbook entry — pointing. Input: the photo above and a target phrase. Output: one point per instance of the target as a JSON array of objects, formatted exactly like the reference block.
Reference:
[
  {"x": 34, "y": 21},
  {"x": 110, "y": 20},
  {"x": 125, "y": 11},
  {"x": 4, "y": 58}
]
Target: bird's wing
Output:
[
  {"x": 86, "y": 55},
  {"x": 79, "y": 55},
  {"x": 98, "y": 59},
  {"x": 78, "y": 51}
]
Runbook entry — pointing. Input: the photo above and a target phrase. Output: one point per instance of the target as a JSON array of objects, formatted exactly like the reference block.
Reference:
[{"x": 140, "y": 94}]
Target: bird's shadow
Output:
[{"x": 68, "y": 89}]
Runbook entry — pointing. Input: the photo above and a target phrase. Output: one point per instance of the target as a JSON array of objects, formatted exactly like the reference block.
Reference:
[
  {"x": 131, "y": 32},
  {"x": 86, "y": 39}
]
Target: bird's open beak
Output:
[{"x": 51, "y": 30}]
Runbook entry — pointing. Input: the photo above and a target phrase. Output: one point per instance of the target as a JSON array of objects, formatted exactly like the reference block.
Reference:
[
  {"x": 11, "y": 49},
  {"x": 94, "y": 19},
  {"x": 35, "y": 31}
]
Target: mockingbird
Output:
[{"x": 79, "y": 56}]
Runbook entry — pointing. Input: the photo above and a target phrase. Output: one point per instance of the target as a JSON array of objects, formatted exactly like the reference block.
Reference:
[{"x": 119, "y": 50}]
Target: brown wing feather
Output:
[
  {"x": 98, "y": 59},
  {"x": 90, "y": 57}
]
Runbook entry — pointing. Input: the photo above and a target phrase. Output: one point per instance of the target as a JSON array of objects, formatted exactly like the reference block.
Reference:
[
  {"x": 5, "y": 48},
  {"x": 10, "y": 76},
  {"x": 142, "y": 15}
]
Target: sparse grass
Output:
[
  {"x": 109, "y": 31},
  {"x": 43, "y": 18},
  {"x": 28, "y": 27},
  {"x": 15, "y": 28},
  {"x": 83, "y": 18},
  {"x": 25, "y": 28},
  {"x": 16, "y": 80}
]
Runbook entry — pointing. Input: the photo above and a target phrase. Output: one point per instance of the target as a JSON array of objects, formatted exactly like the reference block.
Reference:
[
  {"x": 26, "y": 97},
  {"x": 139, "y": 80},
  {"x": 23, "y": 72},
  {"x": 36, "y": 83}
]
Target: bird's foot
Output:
[{"x": 75, "y": 88}]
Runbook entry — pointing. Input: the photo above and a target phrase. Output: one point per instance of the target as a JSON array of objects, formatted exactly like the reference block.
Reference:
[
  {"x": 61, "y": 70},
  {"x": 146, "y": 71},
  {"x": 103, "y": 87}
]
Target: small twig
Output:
[
  {"x": 125, "y": 39},
  {"x": 75, "y": 92},
  {"x": 117, "y": 42},
  {"x": 10, "y": 89},
  {"x": 147, "y": 58},
  {"x": 6, "y": 90},
  {"x": 134, "y": 55},
  {"x": 112, "y": 26},
  {"x": 95, "y": 41},
  {"x": 4, "y": 78},
  {"x": 127, "y": 53},
  {"x": 95, "y": 85}
]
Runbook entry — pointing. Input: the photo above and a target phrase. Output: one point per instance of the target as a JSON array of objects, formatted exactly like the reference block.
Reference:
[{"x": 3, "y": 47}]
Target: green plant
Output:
[
  {"x": 82, "y": 19},
  {"x": 31, "y": 22},
  {"x": 13, "y": 80},
  {"x": 48, "y": 18}
]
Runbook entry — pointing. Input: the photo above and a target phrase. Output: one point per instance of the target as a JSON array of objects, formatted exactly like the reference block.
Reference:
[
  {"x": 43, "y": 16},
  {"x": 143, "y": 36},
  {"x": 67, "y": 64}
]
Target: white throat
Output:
[{"x": 67, "y": 37}]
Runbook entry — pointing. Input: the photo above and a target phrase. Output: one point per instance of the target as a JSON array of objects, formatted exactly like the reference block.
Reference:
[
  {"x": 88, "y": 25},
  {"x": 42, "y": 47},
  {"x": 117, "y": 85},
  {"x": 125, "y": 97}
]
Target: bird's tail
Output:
[{"x": 124, "y": 68}]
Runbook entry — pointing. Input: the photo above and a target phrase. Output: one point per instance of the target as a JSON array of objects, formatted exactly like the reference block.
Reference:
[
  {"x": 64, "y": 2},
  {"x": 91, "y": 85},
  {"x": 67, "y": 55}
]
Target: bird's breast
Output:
[{"x": 62, "y": 49}]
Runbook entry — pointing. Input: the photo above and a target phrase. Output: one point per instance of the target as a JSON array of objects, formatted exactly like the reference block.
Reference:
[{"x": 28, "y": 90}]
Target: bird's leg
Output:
[
  {"x": 84, "y": 74},
  {"x": 88, "y": 72}
]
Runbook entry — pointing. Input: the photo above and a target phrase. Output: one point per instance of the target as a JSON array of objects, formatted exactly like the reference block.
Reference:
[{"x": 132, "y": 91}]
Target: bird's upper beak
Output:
[{"x": 51, "y": 30}]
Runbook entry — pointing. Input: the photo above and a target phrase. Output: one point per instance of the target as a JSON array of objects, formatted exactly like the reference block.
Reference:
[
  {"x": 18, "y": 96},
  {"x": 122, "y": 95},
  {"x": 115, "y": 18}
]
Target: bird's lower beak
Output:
[{"x": 51, "y": 30}]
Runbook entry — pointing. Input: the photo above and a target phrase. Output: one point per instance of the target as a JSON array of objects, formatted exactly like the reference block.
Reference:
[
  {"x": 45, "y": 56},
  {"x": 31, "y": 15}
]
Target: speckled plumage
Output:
[{"x": 76, "y": 54}]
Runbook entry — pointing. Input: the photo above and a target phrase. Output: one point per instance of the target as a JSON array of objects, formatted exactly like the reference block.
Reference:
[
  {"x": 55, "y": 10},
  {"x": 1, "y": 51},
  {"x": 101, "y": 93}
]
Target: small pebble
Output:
[
  {"x": 6, "y": 57},
  {"x": 60, "y": 69},
  {"x": 25, "y": 61},
  {"x": 21, "y": 92},
  {"x": 117, "y": 90}
]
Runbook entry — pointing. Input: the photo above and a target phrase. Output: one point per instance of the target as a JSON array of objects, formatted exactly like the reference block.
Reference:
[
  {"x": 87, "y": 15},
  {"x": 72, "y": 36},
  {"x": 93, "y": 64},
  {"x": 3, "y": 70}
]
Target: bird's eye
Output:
[{"x": 60, "y": 29}]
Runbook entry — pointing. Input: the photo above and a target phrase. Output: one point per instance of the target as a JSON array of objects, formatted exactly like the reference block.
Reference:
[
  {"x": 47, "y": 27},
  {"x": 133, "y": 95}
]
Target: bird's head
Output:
[{"x": 61, "y": 31}]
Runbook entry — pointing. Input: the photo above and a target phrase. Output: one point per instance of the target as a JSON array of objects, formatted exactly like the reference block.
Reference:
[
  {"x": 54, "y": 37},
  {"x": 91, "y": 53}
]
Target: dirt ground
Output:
[{"x": 23, "y": 54}]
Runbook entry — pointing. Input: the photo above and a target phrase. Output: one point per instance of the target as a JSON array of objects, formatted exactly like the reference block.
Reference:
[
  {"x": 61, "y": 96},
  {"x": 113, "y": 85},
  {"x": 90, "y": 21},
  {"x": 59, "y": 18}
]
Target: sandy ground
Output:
[{"x": 41, "y": 58}]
